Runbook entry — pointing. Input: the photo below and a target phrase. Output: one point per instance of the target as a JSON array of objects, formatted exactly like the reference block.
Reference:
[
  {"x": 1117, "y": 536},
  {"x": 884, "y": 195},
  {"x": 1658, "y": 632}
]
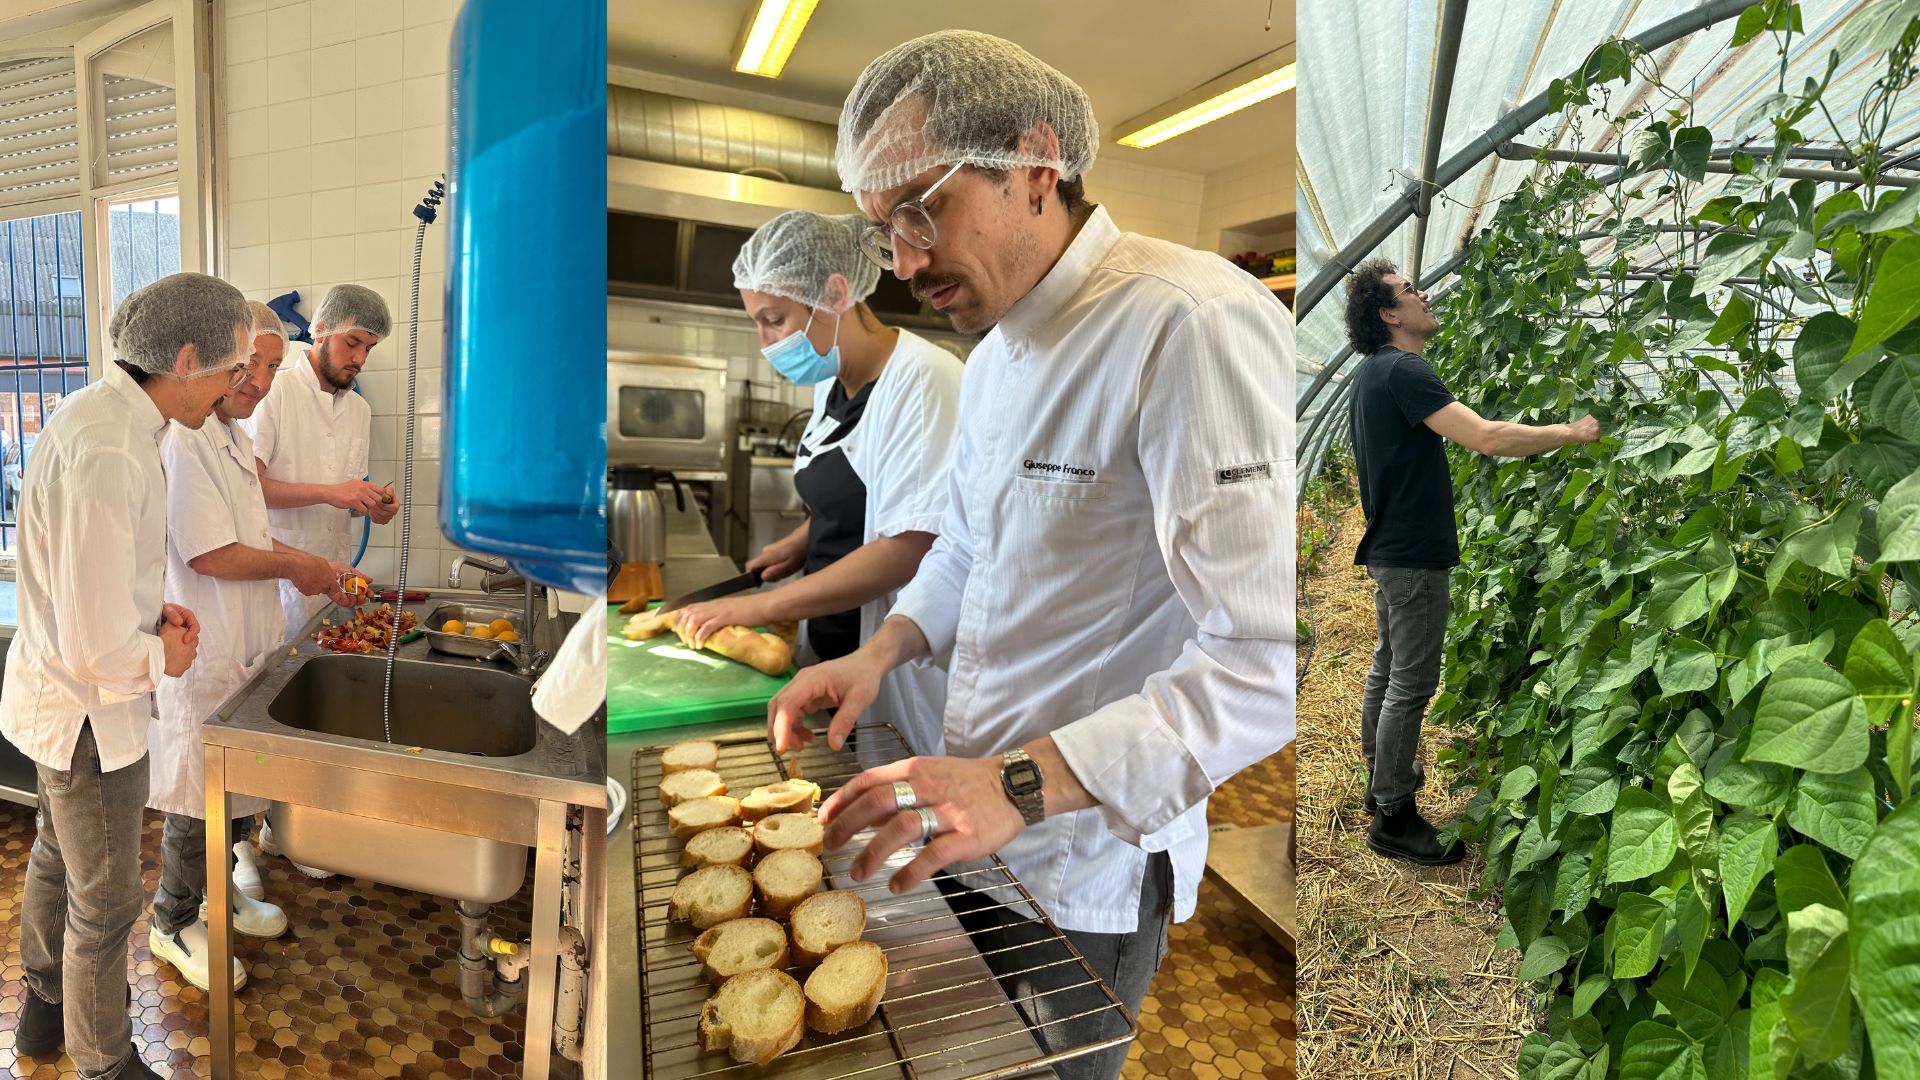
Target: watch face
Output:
[{"x": 1022, "y": 777}]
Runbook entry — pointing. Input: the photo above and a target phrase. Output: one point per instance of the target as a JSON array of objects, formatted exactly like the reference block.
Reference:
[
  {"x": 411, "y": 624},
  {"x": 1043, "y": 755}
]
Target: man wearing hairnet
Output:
[
  {"x": 872, "y": 465},
  {"x": 94, "y": 640},
  {"x": 310, "y": 438},
  {"x": 223, "y": 565},
  {"x": 1112, "y": 590}
]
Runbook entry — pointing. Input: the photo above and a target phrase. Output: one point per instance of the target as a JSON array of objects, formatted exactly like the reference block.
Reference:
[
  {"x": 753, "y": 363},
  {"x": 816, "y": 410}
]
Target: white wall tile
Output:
[
  {"x": 249, "y": 222},
  {"x": 333, "y": 216},
  {"x": 247, "y": 267},
  {"x": 332, "y": 165},
  {"x": 377, "y": 254},
  {"x": 249, "y": 176},
  {"x": 333, "y": 21},
  {"x": 290, "y": 264},
  {"x": 246, "y": 37},
  {"x": 248, "y": 129},
  {"x": 333, "y": 260},
  {"x": 290, "y": 78},
  {"x": 288, "y": 27},
  {"x": 425, "y": 48},
  {"x": 420, "y": 12},
  {"x": 377, "y": 59},
  {"x": 377, "y": 109},
  {"x": 246, "y": 84},
  {"x": 424, "y": 101},
  {"x": 288, "y": 124},
  {"x": 376, "y": 17},
  {"x": 290, "y": 175},
  {"x": 378, "y": 157},
  {"x": 291, "y": 218},
  {"x": 378, "y": 206}
]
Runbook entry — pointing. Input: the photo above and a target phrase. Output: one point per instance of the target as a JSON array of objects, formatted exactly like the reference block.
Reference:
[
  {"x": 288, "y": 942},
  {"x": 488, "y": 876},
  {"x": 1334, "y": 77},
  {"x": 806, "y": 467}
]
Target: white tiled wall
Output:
[
  {"x": 335, "y": 127},
  {"x": 1142, "y": 199},
  {"x": 1252, "y": 191}
]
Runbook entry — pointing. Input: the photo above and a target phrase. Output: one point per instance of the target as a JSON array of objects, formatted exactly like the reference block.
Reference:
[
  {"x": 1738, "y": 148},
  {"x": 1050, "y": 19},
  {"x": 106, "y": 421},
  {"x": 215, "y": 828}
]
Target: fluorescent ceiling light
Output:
[
  {"x": 770, "y": 38},
  {"x": 1274, "y": 81}
]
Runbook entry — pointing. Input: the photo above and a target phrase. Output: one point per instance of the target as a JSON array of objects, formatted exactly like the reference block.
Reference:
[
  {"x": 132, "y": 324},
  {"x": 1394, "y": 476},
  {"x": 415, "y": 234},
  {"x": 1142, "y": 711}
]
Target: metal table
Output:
[{"x": 248, "y": 753}]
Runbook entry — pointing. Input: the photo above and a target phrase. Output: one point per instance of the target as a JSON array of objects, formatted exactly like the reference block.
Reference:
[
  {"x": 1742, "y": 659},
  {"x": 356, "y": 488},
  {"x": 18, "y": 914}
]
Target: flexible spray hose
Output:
[{"x": 425, "y": 212}]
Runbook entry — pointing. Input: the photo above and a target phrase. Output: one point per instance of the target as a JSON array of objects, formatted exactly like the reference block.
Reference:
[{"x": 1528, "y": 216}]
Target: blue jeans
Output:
[
  {"x": 1410, "y": 620},
  {"x": 82, "y": 896}
]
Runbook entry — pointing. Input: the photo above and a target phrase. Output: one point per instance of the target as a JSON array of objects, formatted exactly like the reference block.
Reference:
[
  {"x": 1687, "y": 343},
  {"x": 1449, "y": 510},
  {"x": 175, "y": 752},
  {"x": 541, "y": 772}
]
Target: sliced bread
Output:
[
  {"x": 787, "y": 796},
  {"x": 711, "y": 895},
  {"x": 725, "y": 846},
  {"x": 741, "y": 945},
  {"x": 847, "y": 986},
  {"x": 690, "y": 784},
  {"x": 692, "y": 754},
  {"x": 823, "y": 923},
  {"x": 698, "y": 815},
  {"x": 783, "y": 832},
  {"x": 785, "y": 878},
  {"x": 754, "y": 1017}
]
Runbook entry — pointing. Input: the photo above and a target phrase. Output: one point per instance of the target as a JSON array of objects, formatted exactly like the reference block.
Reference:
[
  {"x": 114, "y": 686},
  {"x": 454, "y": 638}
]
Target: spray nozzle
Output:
[{"x": 429, "y": 206}]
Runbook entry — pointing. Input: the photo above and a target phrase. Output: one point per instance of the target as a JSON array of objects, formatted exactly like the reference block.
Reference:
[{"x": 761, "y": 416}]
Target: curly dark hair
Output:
[{"x": 1367, "y": 293}]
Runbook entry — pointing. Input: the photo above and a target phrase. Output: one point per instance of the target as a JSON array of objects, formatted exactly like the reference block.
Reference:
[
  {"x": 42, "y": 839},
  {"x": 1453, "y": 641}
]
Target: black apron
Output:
[{"x": 836, "y": 501}]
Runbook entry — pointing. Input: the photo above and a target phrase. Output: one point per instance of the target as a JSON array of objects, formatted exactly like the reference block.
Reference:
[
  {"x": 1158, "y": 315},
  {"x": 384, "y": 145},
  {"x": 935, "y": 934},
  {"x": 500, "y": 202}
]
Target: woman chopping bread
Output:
[{"x": 872, "y": 465}]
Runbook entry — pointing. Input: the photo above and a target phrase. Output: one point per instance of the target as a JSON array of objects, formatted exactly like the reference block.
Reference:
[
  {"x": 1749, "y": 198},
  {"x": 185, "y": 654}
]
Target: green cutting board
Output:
[{"x": 660, "y": 683}]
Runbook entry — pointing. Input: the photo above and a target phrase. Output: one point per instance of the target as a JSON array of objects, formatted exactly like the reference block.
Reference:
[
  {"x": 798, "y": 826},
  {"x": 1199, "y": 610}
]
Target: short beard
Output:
[{"x": 328, "y": 372}]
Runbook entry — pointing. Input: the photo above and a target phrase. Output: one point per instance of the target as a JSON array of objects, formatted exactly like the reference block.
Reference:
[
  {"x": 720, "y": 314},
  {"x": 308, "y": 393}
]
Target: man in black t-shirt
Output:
[{"x": 1400, "y": 415}]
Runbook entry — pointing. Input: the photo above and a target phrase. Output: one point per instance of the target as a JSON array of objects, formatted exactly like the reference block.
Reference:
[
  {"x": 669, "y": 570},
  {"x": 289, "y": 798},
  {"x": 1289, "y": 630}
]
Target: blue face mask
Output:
[{"x": 793, "y": 356}]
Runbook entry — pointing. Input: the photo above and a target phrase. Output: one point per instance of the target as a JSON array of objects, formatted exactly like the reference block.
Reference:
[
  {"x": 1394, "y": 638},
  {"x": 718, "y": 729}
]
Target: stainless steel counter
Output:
[{"x": 524, "y": 800}]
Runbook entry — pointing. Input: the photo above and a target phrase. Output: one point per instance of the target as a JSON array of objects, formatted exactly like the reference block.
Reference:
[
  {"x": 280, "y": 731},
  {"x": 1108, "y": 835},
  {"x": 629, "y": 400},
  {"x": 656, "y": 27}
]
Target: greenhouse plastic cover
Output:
[{"x": 1366, "y": 73}]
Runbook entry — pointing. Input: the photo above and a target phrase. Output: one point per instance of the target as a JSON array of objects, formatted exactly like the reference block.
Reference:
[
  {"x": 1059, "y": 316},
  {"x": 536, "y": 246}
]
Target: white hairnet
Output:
[
  {"x": 794, "y": 254},
  {"x": 353, "y": 305},
  {"x": 959, "y": 95},
  {"x": 150, "y": 327},
  {"x": 265, "y": 321}
]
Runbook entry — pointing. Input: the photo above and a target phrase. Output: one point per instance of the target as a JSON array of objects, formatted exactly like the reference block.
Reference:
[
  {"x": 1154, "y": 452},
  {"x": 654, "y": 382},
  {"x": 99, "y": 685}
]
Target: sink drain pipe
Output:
[
  {"x": 570, "y": 1011},
  {"x": 490, "y": 966}
]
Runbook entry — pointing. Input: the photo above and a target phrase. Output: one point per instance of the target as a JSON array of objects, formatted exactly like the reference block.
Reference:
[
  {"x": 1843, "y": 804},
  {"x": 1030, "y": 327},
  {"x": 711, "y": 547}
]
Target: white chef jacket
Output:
[
  {"x": 1116, "y": 564},
  {"x": 213, "y": 500},
  {"x": 901, "y": 450},
  {"x": 308, "y": 433},
  {"x": 92, "y": 564}
]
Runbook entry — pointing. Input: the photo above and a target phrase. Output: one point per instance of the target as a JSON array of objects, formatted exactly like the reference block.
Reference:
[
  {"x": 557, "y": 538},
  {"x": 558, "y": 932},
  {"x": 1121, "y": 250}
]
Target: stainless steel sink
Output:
[{"x": 462, "y": 710}]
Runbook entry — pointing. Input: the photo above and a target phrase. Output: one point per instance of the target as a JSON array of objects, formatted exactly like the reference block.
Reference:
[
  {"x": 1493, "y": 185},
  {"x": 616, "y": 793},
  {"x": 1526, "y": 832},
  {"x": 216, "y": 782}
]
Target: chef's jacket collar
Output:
[
  {"x": 144, "y": 410},
  {"x": 1045, "y": 300}
]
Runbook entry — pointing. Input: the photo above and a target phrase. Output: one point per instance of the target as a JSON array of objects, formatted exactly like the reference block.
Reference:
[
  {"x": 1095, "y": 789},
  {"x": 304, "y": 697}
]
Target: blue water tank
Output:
[{"x": 525, "y": 442}]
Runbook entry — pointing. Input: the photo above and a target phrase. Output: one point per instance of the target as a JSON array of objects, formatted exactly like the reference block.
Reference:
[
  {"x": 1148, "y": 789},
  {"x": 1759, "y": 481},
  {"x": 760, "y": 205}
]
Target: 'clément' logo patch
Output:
[{"x": 1240, "y": 474}]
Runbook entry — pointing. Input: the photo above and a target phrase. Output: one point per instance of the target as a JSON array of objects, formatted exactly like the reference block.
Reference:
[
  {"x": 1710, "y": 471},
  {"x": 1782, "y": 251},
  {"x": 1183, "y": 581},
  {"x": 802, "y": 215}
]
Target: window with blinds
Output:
[{"x": 39, "y": 130}]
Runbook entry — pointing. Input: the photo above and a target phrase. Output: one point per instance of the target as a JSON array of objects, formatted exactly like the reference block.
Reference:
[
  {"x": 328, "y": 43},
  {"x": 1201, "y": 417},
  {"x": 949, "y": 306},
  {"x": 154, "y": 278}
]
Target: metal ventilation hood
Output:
[{"x": 674, "y": 157}]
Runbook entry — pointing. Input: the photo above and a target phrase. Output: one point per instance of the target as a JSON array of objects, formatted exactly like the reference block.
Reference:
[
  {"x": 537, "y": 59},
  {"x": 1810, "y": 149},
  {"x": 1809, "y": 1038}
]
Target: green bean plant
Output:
[{"x": 1681, "y": 669}]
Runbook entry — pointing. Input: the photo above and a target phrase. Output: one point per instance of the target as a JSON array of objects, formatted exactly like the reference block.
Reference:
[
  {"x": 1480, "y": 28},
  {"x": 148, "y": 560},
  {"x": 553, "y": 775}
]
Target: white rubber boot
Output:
[{"x": 186, "y": 950}]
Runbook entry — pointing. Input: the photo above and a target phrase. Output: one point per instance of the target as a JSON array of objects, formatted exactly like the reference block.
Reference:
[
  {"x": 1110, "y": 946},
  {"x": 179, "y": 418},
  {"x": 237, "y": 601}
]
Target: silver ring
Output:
[
  {"x": 929, "y": 823},
  {"x": 903, "y": 796}
]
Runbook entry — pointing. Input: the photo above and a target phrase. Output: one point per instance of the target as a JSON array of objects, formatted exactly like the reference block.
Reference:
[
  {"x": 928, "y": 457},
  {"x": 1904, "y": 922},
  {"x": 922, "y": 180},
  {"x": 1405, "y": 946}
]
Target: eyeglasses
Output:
[
  {"x": 235, "y": 372},
  {"x": 1408, "y": 289},
  {"x": 910, "y": 221}
]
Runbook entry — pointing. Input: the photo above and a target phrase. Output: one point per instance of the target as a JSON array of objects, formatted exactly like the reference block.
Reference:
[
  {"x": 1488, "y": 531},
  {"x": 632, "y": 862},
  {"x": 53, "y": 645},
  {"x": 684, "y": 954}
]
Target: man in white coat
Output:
[
  {"x": 1111, "y": 592},
  {"x": 310, "y": 440},
  {"x": 95, "y": 639},
  {"x": 223, "y": 565}
]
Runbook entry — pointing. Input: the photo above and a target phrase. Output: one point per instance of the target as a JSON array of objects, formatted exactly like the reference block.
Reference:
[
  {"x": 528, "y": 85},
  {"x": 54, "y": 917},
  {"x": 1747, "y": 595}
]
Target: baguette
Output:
[
  {"x": 786, "y": 796},
  {"x": 647, "y": 624},
  {"x": 762, "y": 652},
  {"x": 754, "y": 1017},
  {"x": 724, "y": 846},
  {"x": 785, "y": 878},
  {"x": 741, "y": 945},
  {"x": 698, "y": 815},
  {"x": 847, "y": 986},
  {"x": 710, "y": 896},
  {"x": 782, "y": 832},
  {"x": 690, "y": 784},
  {"x": 824, "y": 922},
  {"x": 692, "y": 754}
]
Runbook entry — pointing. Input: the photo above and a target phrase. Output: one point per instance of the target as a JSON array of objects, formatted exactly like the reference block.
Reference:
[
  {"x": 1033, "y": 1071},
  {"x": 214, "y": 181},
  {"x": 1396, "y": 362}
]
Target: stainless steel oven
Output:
[{"x": 669, "y": 412}]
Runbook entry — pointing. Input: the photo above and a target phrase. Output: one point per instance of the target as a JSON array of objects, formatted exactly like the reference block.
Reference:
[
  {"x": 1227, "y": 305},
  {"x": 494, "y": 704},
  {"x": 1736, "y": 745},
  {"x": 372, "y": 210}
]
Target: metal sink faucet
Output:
[{"x": 499, "y": 578}]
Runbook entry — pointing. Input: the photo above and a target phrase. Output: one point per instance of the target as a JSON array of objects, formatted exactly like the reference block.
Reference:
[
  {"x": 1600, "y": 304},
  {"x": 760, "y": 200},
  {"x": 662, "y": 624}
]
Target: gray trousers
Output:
[
  {"x": 183, "y": 871},
  {"x": 1125, "y": 962},
  {"x": 1410, "y": 619},
  {"x": 82, "y": 896}
]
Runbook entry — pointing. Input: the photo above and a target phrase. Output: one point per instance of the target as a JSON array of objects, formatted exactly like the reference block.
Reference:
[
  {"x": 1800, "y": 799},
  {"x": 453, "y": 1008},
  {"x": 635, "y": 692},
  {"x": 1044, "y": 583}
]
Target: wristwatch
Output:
[{"x": 1021, "y": 777}]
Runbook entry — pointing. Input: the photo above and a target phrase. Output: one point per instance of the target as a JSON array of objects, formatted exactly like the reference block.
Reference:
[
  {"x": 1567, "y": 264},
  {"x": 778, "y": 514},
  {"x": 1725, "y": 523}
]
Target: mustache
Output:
[{"x": 925, "y": 285}]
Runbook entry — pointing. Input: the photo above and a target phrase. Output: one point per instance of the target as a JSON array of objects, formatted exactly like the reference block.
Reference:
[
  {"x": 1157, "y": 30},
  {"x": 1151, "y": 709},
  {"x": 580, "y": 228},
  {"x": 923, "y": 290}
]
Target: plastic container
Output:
[{"x": 524, "y": 448}]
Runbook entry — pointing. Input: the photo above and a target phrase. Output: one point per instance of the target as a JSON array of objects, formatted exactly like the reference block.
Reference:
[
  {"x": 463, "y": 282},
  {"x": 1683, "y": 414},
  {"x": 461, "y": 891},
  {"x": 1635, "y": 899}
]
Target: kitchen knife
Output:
[{"x": 748, "y": 580}]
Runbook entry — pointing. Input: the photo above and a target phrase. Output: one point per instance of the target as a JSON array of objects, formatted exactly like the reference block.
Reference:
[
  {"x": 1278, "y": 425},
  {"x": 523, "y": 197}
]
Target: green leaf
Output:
[
  {"x": 1899, "y": 517},
  {"x": 1752, "y": 785},
  {"x": 1691, "y": 146},
  {"x": 1895, "y": 401},
  {"x": 1645, "y": 440},
  {"x": 1643, "y": 838},
  {"x": 1809, "y": 718},
  {"x": 1747, "y": 844},
  {"x": 1879, "y": 669},
  {"x": 1686, "y": 665},
  {"x": 1620, "y": 671},
  {"x": 1546, "y": 956},
  {"x": 1658, "y": 1052},
  {"x": 1684, "y": 591},
  {"x": 1700, "y": 1005},
  {"x": 1837, "y": 809},
  {"x": 1588, "y": 992},
  {"x": 1817, "y": 1002},
  {"x": 1533, "y": 847},
  {"x": 1896, "y": 210},
  {"x": 1895, "y": 299},
  {"x": 1885, "y": 939},
  {"x": 1735, "y": 317},
  {"x": 1518, "y": 783},
  {"x": 1818, "y": 351},
  {"x": 1639, "y": 929},
  {"x": 1801, "y": 878},
  {"x": 1771, "y": 1050},
  {"x": 1728, "y": 256},
  {"x": 1825, "y": 543},
  {"x": 1752, "y": 21},
  {"x": 1590, "y": 790}
]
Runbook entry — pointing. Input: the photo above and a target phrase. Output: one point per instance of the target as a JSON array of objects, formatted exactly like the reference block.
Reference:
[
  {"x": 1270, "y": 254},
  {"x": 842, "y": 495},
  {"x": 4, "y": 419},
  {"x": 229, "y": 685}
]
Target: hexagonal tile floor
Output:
[
  {"x": 1221, "y": 1007},
  {"x": 362, "y": 984}
]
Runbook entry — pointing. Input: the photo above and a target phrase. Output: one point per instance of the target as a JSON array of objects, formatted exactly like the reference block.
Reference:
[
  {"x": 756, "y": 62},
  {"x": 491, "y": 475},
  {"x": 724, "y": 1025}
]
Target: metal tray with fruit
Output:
[{"x": 476, "y": 630}]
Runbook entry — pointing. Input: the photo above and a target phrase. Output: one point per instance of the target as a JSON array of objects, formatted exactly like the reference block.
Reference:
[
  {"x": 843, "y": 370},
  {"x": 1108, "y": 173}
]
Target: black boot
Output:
[
  {"x": 1366, "y": 801},
  {"x": 1406, "y": 835},
  {"x": 135, "y": 1069},
  {"x": 42, "y": 1028}
]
